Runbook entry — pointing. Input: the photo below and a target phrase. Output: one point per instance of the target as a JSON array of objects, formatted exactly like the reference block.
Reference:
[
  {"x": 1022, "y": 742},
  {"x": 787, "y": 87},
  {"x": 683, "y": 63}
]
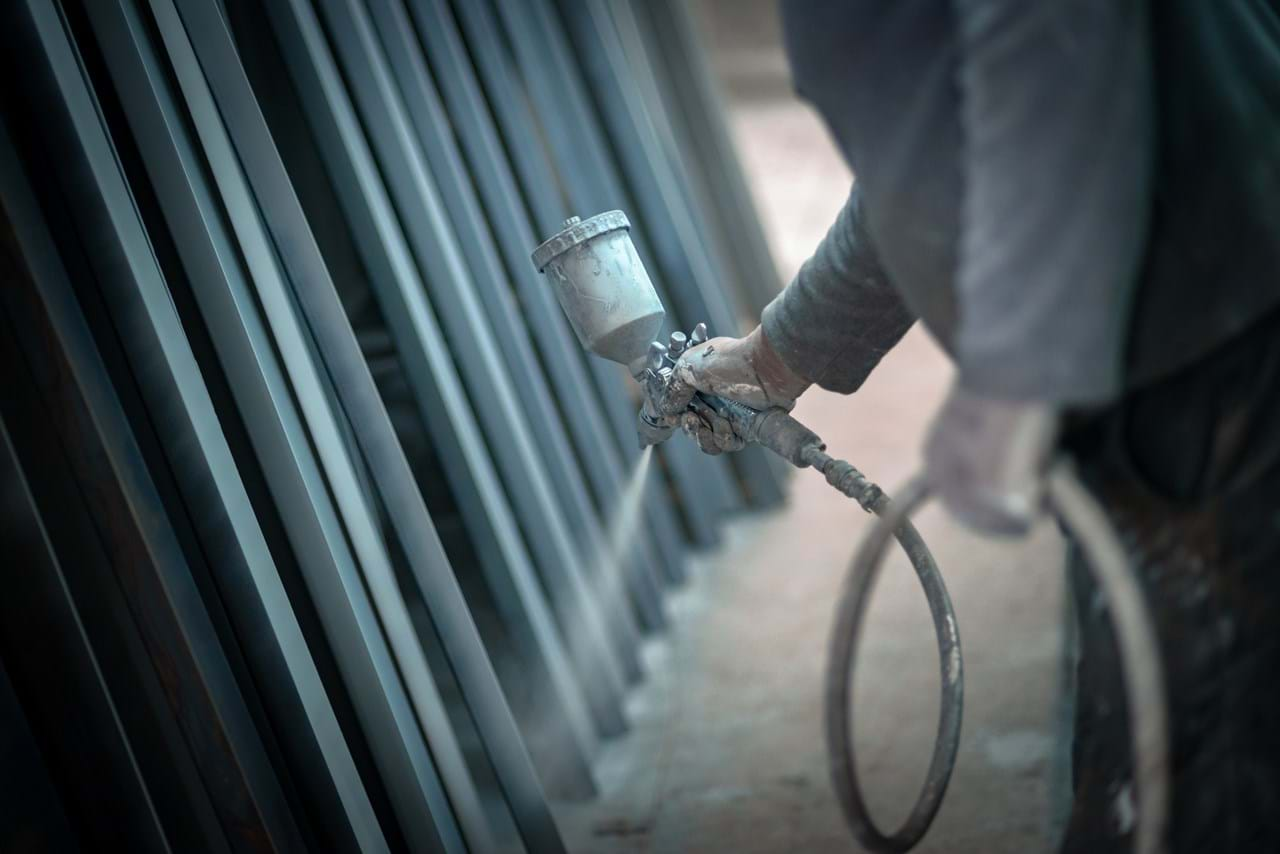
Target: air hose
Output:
[{"x": 1085, "y": 521}]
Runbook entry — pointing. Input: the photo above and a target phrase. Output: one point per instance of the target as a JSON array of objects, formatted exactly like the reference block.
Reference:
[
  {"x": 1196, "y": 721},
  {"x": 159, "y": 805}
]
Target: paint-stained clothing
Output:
[
  {"x": 1076, "y": 197},
  {"x": 1188, "y": 469},
  {"x": 1081, "y": 200}
]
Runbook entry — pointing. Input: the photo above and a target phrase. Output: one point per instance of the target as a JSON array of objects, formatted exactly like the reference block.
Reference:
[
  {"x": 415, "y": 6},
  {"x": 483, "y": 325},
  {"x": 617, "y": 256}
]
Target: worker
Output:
[{"x": 1080, "y": 201}]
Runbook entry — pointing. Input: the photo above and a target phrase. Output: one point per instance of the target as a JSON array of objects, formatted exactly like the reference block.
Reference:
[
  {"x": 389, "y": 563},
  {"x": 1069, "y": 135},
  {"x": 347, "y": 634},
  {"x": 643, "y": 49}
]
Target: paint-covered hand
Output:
[
  {"x": 746, "y": 370},
  {"x": 986, "y": 459}
]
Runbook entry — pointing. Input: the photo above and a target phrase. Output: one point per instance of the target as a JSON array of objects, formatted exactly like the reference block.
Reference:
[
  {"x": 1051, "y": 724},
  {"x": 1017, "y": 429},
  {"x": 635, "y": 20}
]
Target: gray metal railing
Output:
[{"x": 312, "y": 481}]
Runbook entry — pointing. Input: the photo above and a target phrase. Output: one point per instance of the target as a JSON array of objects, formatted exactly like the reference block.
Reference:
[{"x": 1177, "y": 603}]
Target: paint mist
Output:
[{"x": 624, "y": 524}]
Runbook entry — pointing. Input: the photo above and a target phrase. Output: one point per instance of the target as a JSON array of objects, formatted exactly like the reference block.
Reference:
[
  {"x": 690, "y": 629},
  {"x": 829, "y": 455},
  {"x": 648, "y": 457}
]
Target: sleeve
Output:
[
  {"x": 1057, "y": 115},
  {"x": 840, "y": 314}
]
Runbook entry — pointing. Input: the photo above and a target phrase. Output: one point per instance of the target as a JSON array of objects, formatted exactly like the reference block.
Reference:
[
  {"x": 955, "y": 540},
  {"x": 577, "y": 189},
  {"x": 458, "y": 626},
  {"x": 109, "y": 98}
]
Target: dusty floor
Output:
[{"x": 726, "y": 750}]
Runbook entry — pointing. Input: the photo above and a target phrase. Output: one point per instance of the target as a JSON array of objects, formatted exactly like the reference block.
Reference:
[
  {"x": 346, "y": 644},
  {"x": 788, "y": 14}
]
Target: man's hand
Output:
[
  {"x": 986, "y": 459},
  {"x": 743, "y": 369}
]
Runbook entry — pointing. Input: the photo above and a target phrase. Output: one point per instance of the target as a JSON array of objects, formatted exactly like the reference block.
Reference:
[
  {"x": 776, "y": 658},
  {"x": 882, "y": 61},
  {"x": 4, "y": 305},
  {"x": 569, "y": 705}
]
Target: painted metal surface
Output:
[
  {"x": 210, "y": 249},
  {"x": 663, "y": 35},
  {"x": 593, "y": 392},
  {"x": 253, "y": 606},
  {"x": 535, "y": 389},
  {"x": 176, "y": 633},
  {"x": 358, "y": 397}
]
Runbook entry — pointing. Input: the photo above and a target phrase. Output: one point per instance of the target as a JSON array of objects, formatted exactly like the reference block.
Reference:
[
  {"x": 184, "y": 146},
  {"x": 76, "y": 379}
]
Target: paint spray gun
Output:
[{"x": 606, "y": 293}]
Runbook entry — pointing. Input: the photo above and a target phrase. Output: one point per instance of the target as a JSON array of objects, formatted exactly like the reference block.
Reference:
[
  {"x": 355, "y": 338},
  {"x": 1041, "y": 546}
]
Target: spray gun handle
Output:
[
  {"x": 774, "y": 428},
  {"x": 667, "y": 396}
]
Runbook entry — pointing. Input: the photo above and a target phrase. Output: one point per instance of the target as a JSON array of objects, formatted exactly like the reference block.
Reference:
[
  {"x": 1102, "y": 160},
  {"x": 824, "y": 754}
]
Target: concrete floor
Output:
[{"x": 726, "y": 750}]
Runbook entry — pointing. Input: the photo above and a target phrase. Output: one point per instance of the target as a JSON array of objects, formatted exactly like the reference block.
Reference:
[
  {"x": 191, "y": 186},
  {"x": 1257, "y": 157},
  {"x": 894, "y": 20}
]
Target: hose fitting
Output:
[{"x": 845, "y": 477}]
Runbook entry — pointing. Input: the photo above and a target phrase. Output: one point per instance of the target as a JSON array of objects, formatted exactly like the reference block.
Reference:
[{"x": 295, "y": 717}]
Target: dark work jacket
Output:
[{"x": 1076, "y": 197}]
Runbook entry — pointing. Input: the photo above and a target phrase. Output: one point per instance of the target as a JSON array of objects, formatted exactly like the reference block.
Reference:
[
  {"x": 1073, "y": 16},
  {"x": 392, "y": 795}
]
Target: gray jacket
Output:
[{"x": 1075, "y": 197}]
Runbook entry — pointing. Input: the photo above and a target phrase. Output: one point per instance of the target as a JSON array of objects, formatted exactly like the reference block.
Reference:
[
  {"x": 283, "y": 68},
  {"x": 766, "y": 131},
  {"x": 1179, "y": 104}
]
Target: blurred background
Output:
[{"x": 323, "y": 533}]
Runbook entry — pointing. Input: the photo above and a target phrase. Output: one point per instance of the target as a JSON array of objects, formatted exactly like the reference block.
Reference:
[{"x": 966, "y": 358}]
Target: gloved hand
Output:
[
  {"x": 986, "y": 460},
  {"x": 747, "y": 370}
]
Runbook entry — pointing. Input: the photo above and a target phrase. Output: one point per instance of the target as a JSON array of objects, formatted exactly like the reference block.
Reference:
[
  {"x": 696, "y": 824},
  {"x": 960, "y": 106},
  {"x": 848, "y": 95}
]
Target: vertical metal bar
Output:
[
  {"x": 690, "y": 179},
  {"x": 167, "y": 807},
  {"x": 476, "y": 241},
  {"x": 542, "y": 190},
  {"x": 656, "y": 188},
  {"x": 433, "y": 827},
  {"x": 359, "y": 399},
  {"x": 542, "y": 51},
  {"x": 396, "y": 281},
  {"x": 423, "y": 222},
  {"x": 149, "y": 561},
  {"x": 514, "y": 233},
  {"x": 702, "y": 134},
  {"x": 636, "y": 58},
  {"x": 241, "y": 564},
  {"x": 745, "y": 269},
  {"x": 702, "y": 488},
  {"x": 588, "y": 37},
  {"x": 79, "y": 499},
  {"x": 81, "y": 735},
  {"x": 640, "y": 55},
  {"x": 209, "y": 255},
  {"x": 744, "y": 272},
  {"x": 423, "y": 219},
  {"x": 510, "y": 576}
]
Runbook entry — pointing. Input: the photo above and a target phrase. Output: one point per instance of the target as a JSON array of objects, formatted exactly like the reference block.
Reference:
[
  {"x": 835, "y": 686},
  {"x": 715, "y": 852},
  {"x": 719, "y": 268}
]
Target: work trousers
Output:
[{"x": 1189, "y": 471}]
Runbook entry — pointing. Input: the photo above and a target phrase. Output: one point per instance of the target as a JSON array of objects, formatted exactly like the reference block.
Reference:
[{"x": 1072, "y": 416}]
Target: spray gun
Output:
[{"x": 606, "y": 293}]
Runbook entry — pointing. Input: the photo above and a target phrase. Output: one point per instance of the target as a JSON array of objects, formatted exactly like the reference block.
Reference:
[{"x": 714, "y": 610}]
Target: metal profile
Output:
[
  {"x": 178, "y": 638},
  {"x": 491, "y": 279},
  {"x": 247, "y": 583},
  {"x": 688, "y": 94},
  {"x": 395, "y": 277},
  {"x": 209, "y": 252},
  {"x": 483, "y": 313},
  {"x": 589, "y": 183},
  {"x": 375, "y": 436},
  {"x": 656, "y": 186},
  {"x": 586, "y": 395},
  {"x": 430, "y": 773}
]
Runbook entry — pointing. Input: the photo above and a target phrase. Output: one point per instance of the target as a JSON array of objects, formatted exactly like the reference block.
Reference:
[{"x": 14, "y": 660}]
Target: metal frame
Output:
[
  {"x": 700, "y": 136},
  {"x": 574, "y": 147},
  {"x": 358, "y": 398},
  {"x": 407, "y": 214},
  {"x": 177, "y": 636},
  {"x": 592, "y": 396},
  {"x": 394, "y": 276},
  {"x": 479, "y": 250},
  {"x": 252, "y": 607},
  {"x": 656, "y": 182},
  {"x": 210, "y": 253}
]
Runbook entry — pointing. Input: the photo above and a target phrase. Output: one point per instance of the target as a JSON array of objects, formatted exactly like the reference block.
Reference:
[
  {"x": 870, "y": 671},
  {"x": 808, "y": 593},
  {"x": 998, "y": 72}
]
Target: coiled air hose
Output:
[{"x": 1087, "y": 524}]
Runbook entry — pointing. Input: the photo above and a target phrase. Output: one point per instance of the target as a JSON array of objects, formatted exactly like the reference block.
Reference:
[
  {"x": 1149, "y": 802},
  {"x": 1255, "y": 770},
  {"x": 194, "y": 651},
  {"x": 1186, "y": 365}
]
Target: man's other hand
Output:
[{"x": 986, "y": 459}]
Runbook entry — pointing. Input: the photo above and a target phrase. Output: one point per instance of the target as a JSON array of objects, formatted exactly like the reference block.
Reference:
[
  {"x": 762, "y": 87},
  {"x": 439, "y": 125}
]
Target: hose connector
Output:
[{"x": 845, "y": 477}]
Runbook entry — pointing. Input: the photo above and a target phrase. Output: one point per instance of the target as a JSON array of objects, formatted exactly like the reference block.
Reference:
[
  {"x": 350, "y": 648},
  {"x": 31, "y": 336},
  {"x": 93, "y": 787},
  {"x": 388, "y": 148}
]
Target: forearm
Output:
[{"x": 840, "y": 314}]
